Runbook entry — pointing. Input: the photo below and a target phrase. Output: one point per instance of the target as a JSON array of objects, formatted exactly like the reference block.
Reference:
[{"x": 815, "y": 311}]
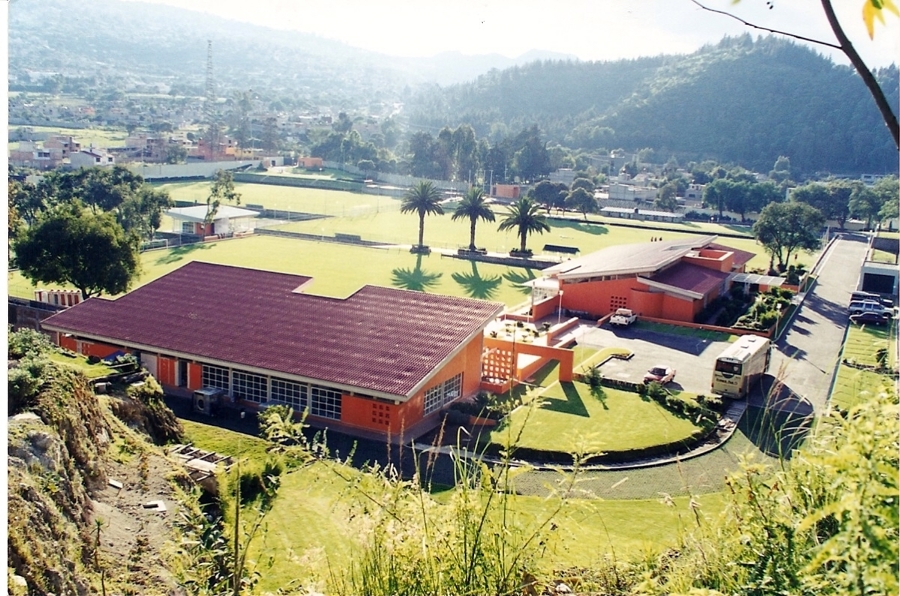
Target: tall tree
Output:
[
  {"x": 525, "y": 216},
  {"x": 423, "y": 199},
  {"x": 473, "y": 207},
  {"x": 582, "y": 201},
  {"x": 549, "y": 193},
  {"x": 784, "y": 228},
  {"x": 92, "y": 252},
  {"x": 832, "y": 198},
  {"x": 222, "y": 189},
  {"x": 667, "y": 200}
]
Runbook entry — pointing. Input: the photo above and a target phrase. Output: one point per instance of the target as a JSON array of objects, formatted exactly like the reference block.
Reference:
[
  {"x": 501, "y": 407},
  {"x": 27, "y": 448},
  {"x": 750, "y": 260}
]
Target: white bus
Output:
[{"x": 741, "y": 365}]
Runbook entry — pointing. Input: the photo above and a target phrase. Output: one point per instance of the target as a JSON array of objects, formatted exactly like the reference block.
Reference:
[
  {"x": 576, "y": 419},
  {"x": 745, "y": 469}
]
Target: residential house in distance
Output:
[
  {"x": 91, "y": 158},
  {"x": 227, "y": 221},
  {"x": 380, "y": 363},
  {"x": 510, "y": 192},
  {"x": 672, "y": 279}
]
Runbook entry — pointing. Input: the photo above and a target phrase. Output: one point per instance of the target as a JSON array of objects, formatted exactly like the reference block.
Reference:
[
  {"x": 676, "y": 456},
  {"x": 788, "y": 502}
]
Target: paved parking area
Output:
[{"x": 693, "y": 358}]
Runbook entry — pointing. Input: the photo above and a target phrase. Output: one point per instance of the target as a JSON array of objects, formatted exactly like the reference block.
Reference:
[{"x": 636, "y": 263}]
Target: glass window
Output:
[
  {"x": 443, "y": 393},
  {"x": 433, "y": 399},
  {"x": 290, "y": 392},
  {"x": 325, "y": 402},
  {"x": 250, "y": 386},
  {"x": 215, "y": 376},
  {"x": 732, "y": 368}
]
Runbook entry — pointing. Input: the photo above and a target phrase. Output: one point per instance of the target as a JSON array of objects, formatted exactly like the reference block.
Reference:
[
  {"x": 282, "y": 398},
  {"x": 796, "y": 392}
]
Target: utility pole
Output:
[{"x": 210, "y": 107}]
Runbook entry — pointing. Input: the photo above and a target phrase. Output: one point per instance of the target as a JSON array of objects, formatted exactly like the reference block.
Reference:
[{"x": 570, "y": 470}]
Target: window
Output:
[
  {"x": 433, "y": 399},
  {"x": 290, "y": 392},
  {"x": 187, "y": 227},
  {"x": 325, "y": 402},
  {"x": 250, "y": 386},
  {"x": 443, "y": 393},
  {"x": 215, "y": 376}
]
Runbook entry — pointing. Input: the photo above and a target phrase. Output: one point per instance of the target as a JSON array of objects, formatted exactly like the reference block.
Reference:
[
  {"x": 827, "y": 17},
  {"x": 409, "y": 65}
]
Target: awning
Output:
[{"x": 754, "y": 278}]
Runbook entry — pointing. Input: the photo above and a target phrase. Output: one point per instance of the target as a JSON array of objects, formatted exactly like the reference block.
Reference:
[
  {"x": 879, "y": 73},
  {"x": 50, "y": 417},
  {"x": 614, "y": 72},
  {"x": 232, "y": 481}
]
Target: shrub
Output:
[
  {"x": 27, "y": 343},
  {"x": 24, "y": 383}
]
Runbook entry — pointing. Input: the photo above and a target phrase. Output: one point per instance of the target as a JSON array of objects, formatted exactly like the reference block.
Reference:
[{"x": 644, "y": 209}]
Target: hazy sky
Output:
[{"x": 589, "y": 29}]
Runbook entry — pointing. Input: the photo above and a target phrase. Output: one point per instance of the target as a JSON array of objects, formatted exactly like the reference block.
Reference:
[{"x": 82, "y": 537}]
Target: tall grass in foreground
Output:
[
  {"x": 476, "y": 542},
  {"x": 823, "y": 522}
]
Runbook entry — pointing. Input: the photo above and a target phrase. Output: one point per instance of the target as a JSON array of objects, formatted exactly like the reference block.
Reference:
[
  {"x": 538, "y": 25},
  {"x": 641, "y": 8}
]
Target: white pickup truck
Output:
[{"x": 623, "y": 317}]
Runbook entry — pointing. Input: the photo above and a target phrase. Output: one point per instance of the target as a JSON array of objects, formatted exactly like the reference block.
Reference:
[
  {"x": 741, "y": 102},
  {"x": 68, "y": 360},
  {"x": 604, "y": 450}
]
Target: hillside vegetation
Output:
[{"x": 742, "y": 100}]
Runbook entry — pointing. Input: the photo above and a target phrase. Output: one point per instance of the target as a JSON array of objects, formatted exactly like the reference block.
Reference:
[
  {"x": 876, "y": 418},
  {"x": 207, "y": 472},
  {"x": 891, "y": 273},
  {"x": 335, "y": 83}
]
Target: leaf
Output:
[{"x": 873, "y": 9}]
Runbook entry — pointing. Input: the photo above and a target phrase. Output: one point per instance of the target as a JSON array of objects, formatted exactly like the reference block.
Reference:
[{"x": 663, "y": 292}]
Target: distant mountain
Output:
[
  {"x": 741, "y": 100},
  {"x": 162, "y": 43},
  {"x": 449, "y": 68}
]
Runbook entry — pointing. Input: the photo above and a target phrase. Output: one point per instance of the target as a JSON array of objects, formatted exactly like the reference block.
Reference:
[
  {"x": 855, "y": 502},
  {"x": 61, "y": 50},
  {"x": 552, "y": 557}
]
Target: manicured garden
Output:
[
  {"x": 868, "y": 356},
  {"x": 568, "y": 418}
]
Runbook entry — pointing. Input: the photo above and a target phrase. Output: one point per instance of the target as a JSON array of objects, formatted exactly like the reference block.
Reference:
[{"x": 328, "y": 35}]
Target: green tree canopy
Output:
[
  {"x": 525, "y": 217},
  {"x": 71, "y": 245},
  {"x": 582, "y": 201},
  {"x": 222, "y": 189},
  {"x": 667, "y": 200},
  {"x": 832, "y": 198},
  {"x": 549, "y": 193},
  {"x": 473, "y": 207},
  {"x": 423, "y": 199},
  {"x": 784, "y": 228}
]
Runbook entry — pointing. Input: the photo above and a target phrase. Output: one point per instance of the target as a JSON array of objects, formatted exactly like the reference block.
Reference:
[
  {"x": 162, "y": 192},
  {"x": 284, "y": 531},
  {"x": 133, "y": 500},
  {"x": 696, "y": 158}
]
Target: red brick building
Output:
[
  {"x": 382, "y": 360},
  {"x": 673, "y": 279}
]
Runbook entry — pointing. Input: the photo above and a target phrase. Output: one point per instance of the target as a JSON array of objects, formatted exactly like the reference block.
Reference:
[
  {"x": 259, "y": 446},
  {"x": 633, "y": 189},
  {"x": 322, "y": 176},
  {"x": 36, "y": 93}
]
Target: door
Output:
[
  {"x": 149, "y": 361},
  {"x": 182, "y": 379}
]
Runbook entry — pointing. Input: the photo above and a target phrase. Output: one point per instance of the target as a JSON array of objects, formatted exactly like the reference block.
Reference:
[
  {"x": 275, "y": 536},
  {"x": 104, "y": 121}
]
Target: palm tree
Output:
[
  {"x": 474, "y": 207},
  {"x": 422, "y": 199},
  {"x": 525, "y": 215}
]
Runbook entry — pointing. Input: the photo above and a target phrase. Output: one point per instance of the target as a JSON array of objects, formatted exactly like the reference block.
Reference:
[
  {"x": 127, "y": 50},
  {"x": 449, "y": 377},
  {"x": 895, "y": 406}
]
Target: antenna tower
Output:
[{"x": 211, "y": 120}]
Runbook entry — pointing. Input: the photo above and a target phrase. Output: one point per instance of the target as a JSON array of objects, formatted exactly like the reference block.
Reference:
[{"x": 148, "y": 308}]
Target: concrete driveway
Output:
[{"x": 692, "y": 358}]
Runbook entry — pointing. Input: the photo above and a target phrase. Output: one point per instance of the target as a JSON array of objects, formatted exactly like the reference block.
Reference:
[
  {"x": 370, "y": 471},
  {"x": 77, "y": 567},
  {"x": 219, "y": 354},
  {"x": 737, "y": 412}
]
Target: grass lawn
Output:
[
  {"x": 335, "y": 203},
  {"x": 568, "y": 419},
  {"x": 306, "y": 533},
  {"x": 882, "y": 256},
  {"x": 853, "y": 385},
  {"x": 686, "y": 331},
  {"x": 339, "y": 270},
  {"x": 99, "y": 137},
  {"x": 91, "y": 371},
  {"x": 224, "y": 441}
]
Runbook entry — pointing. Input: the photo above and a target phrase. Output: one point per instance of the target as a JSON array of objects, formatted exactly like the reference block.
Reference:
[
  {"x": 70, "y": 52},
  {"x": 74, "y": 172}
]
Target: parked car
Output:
[
  {"x": 869, "y": 306},
  {"x": 870, "y": 318},
  {"x": 661, "y": 374},
  {"x": 860, "y": 296},
  {"x": 623, "y": 317}
]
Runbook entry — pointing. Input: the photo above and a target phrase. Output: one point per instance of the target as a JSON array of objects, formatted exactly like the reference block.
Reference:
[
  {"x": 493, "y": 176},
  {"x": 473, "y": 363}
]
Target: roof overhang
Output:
[{"x": 680, "y": 292}]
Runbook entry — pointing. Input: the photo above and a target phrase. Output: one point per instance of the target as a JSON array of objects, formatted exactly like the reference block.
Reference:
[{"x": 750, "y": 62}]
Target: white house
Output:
[{"x": 227, "y": 220}]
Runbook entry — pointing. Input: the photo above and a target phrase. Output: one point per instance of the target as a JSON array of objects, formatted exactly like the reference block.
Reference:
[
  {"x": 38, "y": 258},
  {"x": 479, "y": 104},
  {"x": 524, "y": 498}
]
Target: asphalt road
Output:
[{"x": 807, "y": 353}]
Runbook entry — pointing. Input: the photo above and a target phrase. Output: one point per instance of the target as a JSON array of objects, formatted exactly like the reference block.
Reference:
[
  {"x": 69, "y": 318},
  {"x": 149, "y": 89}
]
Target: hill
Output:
[{"x": 742, "y": 100}]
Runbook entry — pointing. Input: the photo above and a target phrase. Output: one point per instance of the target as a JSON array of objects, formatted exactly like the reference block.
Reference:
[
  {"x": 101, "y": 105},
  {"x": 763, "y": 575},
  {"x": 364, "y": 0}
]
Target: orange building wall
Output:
[
  {"x": 647, "y": 304},
  {"x": 165, "y": 369},
  {"x": 68, "y": 343},
  {"x": 195, "y": 375},
  {"x": 595, "y": 297},
  {"x": 544, "y": 308},
  {"x": 97, "y": 349},
  {"x": 371, "y": 414},
  {"x": 712, "y": 259},
  {"x": 678, "y": 309}
]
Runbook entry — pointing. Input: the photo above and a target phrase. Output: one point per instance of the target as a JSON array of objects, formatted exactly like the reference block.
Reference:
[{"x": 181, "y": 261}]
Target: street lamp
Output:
[{"x": 559, "y": 310}]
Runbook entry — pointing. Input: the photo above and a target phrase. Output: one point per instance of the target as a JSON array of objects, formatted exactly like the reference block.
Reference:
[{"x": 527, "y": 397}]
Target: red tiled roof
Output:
[
  {"x": 692, "y": 278},
  {"x": 379, "y": 339}
]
